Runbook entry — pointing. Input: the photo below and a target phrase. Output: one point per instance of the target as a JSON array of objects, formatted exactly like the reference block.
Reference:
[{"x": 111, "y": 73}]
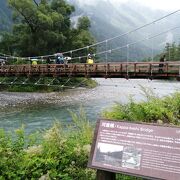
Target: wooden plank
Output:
[{"x": 135, "y": 69}]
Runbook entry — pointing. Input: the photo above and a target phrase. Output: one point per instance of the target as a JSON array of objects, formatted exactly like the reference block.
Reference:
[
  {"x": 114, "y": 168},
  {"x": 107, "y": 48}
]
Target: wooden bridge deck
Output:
[{"x": 112, "y": 70}]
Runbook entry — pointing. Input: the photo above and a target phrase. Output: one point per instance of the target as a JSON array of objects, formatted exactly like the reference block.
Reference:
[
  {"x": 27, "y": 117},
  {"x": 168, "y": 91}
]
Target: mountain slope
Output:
[{"x": 109, "y": 20}]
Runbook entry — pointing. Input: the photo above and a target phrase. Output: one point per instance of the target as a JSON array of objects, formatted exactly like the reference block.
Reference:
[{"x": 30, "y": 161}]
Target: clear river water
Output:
[{"x": 93, "y": 101}]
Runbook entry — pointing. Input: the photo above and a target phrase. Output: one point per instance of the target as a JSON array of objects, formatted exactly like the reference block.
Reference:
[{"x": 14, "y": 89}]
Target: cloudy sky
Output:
[
  {"x": 161, "y": 4},
  {"x": 155, "y": 4}
]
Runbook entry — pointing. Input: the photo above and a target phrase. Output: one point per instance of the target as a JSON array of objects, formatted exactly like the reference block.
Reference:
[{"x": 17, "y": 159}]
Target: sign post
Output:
[
  {"x": 141, "y": 150},
  {"x": 105, "y": 175}
]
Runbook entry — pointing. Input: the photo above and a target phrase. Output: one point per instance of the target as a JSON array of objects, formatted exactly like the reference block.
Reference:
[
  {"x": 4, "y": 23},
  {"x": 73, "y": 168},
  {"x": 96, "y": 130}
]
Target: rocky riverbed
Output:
[
  {"x": 108, "y": 89},
  {"x": 10, "y": 100}
]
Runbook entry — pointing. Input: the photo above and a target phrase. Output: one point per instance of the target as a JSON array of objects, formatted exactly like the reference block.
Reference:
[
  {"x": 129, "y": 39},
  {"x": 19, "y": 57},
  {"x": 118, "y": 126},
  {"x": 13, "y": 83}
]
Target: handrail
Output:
[{"x": 135, "y": 69}]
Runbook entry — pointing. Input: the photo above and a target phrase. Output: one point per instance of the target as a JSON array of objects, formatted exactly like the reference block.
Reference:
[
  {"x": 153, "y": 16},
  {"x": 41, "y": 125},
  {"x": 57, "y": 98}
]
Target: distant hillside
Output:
[
  {"x": 109, "y": 20},
  {"x": 5, "y": 16}
]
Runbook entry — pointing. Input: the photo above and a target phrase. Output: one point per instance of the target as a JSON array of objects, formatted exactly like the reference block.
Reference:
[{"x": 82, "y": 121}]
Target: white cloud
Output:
[
  {"x": 83, "y": 3},
  {"x": 155, "y": 4},
  {"x": 161, "y": 4}
]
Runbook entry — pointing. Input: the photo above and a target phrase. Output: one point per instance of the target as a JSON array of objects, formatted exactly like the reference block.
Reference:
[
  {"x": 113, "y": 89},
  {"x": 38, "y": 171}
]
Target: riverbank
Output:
[
  {"x": 13, "y": 99},
  {"x": 104, "y": 89},
  {"x": 16, "y": 99},
  {"x": 40, "y": 110},
  {"x": 10, "y": 100}
]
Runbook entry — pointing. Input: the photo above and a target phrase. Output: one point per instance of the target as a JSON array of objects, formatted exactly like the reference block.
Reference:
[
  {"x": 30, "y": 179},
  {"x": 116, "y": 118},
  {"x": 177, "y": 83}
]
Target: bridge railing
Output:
[{"x": 124, "y": 69}]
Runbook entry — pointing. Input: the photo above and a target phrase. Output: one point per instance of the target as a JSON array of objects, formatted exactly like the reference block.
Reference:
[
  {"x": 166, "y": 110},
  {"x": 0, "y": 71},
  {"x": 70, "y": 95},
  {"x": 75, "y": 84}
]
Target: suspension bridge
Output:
[
  {"x": 149, "y": 70},
  {"x": 128, "y": 68}
]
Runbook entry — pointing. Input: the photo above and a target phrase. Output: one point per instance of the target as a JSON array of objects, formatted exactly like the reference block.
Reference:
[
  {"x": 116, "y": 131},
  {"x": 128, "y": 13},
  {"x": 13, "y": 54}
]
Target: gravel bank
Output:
[{"x": 11, "y": 99}]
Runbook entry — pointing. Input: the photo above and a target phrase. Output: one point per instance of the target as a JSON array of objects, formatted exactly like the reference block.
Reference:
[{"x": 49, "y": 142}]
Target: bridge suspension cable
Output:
[
  {"x": 148, "y": 38},
  {"x": 126, "y": 33},
  {"x": 95, "y": 44},
  {"x": 151, "y": 37},
  {"x": 130, "y": 44},
  {"x": 127, "y": 58},
  {"x": 127, "y": 45}
]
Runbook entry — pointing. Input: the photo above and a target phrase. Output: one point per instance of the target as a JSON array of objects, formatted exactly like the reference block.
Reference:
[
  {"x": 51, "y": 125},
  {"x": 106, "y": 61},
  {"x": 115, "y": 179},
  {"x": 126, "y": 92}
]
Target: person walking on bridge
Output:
[
  {"x": 90, "y": 59},
  {"x": 162, "y": 59},
  {"x": 2, "y": 62},
  {"x": 59, "y": 58}
]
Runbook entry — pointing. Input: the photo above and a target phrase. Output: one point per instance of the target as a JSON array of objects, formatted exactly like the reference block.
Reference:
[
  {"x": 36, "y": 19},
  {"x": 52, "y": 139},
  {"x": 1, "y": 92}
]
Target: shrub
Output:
[
  {"x": 166, "y": 109},
  {"x": 57, "y": 154}
]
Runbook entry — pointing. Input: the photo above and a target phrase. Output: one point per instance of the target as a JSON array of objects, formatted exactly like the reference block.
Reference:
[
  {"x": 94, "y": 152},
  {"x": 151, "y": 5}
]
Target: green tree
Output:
[
  {"x": 172, "y": 52},
  {"x": 84, "y": 23},
  {"x": 81, "y": 37},
  {"x": 6, "y": 44},
  {"x": 167, "y": 51},
  {"x": 177, "y": 54},
  {"x": 43, "y": 27}
]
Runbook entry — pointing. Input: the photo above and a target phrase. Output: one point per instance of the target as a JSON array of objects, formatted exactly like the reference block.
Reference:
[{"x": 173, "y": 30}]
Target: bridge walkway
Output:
[{"x": 106, "y": 70}]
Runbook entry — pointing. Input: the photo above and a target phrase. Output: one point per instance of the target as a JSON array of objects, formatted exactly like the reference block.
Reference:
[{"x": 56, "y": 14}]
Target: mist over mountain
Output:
[{"x": 110, "y": 18}]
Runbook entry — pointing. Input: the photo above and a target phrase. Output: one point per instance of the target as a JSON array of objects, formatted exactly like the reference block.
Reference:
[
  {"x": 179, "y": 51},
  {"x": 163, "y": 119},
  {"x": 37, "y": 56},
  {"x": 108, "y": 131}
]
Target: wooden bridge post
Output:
[
  {"x": 135, "y": 69},
  {"x": 105, "y": 175},
  {"x": 167, "y": 68},
  {"x": 121, "y": 68},
  {"x": 150, "y": 70}
]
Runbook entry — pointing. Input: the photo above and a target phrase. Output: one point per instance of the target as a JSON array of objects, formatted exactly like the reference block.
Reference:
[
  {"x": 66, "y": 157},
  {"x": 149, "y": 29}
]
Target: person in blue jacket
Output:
[{"x": 59, "y": 58}]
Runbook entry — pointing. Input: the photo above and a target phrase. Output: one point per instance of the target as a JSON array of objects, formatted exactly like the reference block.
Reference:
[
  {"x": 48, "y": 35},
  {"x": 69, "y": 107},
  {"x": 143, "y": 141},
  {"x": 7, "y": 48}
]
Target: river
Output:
[{"x": 56, "y": 106}]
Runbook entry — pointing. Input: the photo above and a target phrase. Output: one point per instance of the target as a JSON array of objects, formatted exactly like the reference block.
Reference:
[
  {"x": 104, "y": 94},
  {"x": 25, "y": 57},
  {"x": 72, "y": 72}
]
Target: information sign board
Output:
[{"x": 143, "y": 150}]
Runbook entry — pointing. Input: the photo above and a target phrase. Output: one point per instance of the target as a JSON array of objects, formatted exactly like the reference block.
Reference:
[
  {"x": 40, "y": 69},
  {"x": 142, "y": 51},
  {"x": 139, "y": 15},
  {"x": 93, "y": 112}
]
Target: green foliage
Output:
[
  {"x": 165, "y": 110},
  {"x": 18, "y": 61},
  {"x": 154, "y": 109},
  {"x": 84, "y": 23},
  {"x": 172, "y": 52},
  {"x": 11, "y": 152},
  {"x": 177, "y": 53},
  {"x": 43, "y": 27},
  {"x": 58, "y": 155},
  {"x": 125, "y": 177},
  {"x": 83, "y": 128},
  {"x": 6, "y": 44}
]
